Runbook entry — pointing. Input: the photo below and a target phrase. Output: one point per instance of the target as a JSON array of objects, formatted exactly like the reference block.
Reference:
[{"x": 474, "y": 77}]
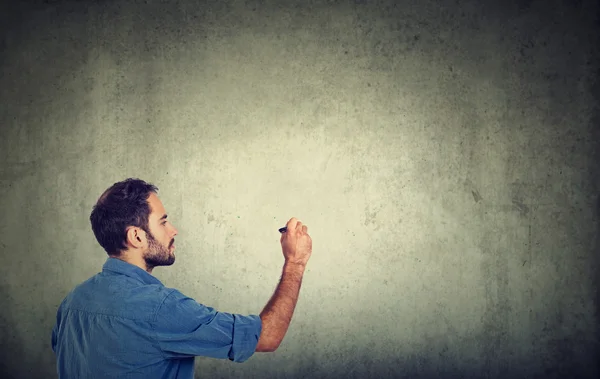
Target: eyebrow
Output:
[{"x": 163, "y": 217}]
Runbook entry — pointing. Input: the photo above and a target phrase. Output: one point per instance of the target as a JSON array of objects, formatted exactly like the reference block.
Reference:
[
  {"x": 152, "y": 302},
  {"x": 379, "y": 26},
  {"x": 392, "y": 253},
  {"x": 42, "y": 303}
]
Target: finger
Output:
[
  {"x": 304, "y": 228},
  {"x": 299, "y": 226},
  {"x": 291, "y": 225}
]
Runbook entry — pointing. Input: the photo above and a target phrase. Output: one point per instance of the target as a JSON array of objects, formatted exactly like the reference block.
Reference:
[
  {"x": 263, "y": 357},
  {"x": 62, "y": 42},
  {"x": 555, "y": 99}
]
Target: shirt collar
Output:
[{"x": 128, "y": 269}]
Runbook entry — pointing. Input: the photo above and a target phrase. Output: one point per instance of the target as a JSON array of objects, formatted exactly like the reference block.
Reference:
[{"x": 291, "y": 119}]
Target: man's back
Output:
[{"x": 124, "y": 323}]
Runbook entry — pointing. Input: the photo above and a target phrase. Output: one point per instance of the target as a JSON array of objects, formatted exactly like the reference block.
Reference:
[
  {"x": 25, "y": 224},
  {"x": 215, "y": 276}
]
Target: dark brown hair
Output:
[{"x": 122, "y": 205}]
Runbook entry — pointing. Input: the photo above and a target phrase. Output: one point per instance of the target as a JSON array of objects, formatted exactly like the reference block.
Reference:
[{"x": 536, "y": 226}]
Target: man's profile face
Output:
[{"x": 160, "y": 237}]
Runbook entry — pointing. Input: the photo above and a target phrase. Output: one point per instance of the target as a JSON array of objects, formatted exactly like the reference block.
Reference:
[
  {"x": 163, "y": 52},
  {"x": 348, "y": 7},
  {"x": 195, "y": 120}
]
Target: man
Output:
[{"x": 124, "y": 323}]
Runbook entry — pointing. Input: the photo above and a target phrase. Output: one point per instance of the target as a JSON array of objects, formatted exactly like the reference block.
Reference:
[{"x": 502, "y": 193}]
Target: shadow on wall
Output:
[
  {"x": 550, "y": 366},
  {"x": 596, "y": 251},
  {"x": 594, "y": 172},
  {"x": 13, "y": 348}
]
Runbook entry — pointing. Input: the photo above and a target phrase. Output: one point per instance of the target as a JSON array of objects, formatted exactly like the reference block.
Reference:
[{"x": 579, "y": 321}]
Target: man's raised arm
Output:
[{"x": 277, "y": 314}]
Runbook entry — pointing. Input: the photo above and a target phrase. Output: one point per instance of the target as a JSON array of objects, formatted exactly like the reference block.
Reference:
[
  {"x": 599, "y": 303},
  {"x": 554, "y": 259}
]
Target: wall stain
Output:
[
  {"x": 521, "y": 207},
  {"x": 495, "y": 319},
  {"x": 371, "y": 217}
]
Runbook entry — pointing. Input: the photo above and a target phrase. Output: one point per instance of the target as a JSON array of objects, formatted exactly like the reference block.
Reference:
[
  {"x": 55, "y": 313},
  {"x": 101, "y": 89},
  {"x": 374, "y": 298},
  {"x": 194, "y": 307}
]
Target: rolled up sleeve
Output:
[{"x": 183, "y": 328}]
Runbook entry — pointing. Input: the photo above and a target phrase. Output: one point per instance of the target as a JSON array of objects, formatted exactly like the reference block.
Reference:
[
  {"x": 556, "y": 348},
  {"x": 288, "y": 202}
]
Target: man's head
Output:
[{"x": 130, "y": 223}]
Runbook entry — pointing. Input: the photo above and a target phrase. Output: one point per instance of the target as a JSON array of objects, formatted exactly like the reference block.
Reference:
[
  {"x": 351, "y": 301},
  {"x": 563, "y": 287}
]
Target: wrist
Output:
[{"x": 293, "y": 266}]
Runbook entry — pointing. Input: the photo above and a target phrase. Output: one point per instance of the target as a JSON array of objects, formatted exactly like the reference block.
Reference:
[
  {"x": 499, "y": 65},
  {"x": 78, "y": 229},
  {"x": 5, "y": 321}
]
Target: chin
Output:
[{"x": 169, "y": 262}]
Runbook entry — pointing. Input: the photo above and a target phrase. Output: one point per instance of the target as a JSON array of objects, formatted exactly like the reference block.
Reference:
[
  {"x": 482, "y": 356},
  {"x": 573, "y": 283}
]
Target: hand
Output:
[{"x": 296, "y": 243}]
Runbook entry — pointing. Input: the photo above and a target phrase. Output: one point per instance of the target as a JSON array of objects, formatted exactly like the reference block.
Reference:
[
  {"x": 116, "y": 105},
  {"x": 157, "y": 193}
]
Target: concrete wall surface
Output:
[{"x": 443, "y": 155}]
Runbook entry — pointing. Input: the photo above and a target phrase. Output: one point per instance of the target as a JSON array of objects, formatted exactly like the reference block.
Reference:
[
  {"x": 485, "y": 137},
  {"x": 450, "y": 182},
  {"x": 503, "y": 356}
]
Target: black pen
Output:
[{"x": 283, "y": 230}]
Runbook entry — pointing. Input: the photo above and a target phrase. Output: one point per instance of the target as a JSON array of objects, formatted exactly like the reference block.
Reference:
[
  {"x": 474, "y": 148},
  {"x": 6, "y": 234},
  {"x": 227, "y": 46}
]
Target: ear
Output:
[{"x": 136, "y": 237}]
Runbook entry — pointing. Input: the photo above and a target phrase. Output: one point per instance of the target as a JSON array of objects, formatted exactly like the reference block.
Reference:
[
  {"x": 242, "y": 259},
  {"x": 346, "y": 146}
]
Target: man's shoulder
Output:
[{"x": 118, "y": 296}]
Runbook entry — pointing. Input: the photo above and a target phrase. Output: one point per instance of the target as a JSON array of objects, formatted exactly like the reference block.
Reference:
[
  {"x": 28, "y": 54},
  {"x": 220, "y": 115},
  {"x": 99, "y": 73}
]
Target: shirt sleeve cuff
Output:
[{"x": 246, "y": 331}]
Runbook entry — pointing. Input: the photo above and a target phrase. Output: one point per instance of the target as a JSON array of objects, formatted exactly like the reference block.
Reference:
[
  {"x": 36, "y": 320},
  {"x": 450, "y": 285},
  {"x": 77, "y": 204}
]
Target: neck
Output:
[{"x": 135, "y": 260}]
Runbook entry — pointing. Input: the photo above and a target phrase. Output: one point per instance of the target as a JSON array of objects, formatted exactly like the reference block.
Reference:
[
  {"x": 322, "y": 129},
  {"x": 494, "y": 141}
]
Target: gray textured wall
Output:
[{"x": 442, "y": 156}]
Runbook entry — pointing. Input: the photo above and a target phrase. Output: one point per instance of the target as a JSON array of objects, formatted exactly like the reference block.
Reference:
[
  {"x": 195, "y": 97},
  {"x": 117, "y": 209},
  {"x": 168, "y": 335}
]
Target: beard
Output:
[{"x": 157, "y": 254}]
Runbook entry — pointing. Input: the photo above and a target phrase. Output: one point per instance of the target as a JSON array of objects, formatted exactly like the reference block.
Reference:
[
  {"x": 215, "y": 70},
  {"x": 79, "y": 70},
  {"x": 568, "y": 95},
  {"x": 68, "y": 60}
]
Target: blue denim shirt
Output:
[{"x": 124, "y": 323}]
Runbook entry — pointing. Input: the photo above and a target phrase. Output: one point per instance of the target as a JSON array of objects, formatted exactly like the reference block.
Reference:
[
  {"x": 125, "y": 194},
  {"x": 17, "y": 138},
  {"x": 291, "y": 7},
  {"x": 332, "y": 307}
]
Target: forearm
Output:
[{"x": 277, "y": 314}]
